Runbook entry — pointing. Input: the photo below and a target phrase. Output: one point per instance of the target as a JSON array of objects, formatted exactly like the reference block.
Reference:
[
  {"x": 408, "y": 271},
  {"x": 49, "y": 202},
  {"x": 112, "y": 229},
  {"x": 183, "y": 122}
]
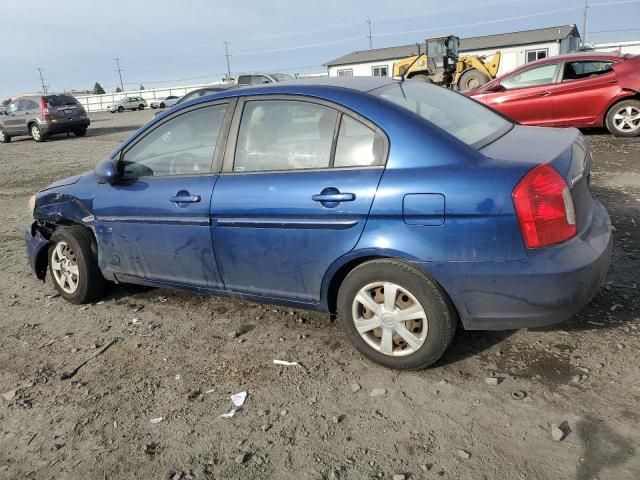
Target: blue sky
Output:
[{"x": 164, "y": 42}]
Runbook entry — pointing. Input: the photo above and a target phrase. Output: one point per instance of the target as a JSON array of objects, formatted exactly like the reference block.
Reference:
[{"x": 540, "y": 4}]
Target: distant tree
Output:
[
  {"x": 118, "y": 90},
  {"x": 97, "y": 89},
  {"x": 6, "y": 102},
  {"x": 141, "y": 87}
]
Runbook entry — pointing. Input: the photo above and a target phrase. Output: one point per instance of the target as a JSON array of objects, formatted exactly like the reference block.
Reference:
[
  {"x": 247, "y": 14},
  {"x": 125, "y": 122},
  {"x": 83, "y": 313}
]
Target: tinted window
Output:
[
  {"x": 541, "y": 75},
  {"x": 183, "y": 145},
  {"x": 355, "y": 147},
  {"x": 452, "y": 112},
  {"x": 586, "y": 69},
  {"x": 244, "y": 80},
  {"x": 60, "y": 100},
  {"x": 284, "y": 135}
]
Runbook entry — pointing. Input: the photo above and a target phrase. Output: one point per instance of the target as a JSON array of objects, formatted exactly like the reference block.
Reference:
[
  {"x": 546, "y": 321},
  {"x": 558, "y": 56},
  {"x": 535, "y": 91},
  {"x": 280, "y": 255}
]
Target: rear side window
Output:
[
  {"x": 284, "y": 135},
  {"x": 184, "y": 145},
  {"x": 356, "y": 145},
  {"x": 244, "y": 80},
  {"x": 585, "y": 69},
  {"x": 60, "y": 100}
]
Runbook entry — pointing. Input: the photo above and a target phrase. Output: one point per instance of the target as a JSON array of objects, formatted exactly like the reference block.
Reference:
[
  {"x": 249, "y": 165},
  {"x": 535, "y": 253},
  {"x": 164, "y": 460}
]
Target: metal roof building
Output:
[{"x": 517, "y": 48}]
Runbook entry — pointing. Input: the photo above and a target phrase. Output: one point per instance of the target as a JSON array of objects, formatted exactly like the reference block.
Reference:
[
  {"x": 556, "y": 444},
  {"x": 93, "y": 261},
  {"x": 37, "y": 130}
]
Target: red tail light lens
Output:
[
  {"x": 544, "y": 207},
  {"x": 44, "y": 107}
]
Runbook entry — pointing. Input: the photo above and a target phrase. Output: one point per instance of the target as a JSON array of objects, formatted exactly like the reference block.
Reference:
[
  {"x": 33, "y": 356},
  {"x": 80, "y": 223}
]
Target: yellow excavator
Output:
[{"x": 440, "y": 64}]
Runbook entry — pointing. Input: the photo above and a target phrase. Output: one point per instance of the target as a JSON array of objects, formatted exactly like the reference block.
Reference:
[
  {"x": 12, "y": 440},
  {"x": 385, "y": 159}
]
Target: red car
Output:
[{"x": 576, "y": 90}]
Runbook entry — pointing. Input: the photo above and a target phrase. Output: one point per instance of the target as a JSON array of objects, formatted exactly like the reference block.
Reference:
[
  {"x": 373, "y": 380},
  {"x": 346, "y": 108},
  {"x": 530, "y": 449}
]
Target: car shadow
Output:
[{"x": 470, "y": 343}]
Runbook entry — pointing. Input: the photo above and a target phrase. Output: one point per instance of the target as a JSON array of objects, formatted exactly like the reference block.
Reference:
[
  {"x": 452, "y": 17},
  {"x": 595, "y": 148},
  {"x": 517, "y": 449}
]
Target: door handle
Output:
[
  {"x": 184, "y": 197},
  {"x": 544, "y": 94},
  {"x": 334, "y": 197}
]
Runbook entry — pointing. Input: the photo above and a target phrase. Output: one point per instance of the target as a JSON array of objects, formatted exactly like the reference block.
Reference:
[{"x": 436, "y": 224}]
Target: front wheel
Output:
[
  {"x": 162, "y": 105},
  {"x": 396, "y": 315},
  {"x": 4, "y": 137},
  {"x": 623, "y": 119},
  {"x": 80, "y": 132},
  {"x": 140, "y": 107},
  {"x": 73, "y": 265},
  {"x": 120, "y": 109},
  {"x": 472, "y": 79}
]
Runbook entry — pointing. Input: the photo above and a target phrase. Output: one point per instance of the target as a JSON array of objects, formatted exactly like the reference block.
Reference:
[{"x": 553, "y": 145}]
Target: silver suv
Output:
[
  {"x": 128, "y": 103},
  {"x": 41, "y": 116}
]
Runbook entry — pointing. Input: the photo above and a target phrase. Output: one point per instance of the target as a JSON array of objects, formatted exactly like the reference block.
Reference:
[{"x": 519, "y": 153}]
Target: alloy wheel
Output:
[
  {"x": 627, "y": 119},
  {"x": 64, "y": 266},
  {"x": 390, "y": 319},
  {"x": 35, "y": 132}
]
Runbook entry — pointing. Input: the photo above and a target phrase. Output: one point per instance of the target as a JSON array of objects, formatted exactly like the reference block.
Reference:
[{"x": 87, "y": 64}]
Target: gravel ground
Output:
[{"x": 175, "y": 360}]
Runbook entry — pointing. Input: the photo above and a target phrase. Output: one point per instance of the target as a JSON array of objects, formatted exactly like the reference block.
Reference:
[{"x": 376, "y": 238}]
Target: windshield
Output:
[
  {"x": 281, "y": 77},
  {"x": 454, "y": 113}
]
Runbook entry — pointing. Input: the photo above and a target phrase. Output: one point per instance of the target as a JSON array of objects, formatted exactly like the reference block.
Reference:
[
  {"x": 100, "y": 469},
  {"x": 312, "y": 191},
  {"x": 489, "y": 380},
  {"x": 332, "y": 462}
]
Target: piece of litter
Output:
[
  {"x": 157, "y": 420},
  {"x": 557, "y": 433},
  {"x": 492, "y": 380},
  {"x": 463, "y": 453},
  {"x": 239, "y": 398},
  {"x": 210, "y": 391},
  {"x": 286, "y": 364},
  {"x": 178, "y": 377},
  {"x": 229, "y": 414},
  {"x": 8, "y": 396},
  {"x": 135, "y": 320},
  {"x": 377, "y": 392}
]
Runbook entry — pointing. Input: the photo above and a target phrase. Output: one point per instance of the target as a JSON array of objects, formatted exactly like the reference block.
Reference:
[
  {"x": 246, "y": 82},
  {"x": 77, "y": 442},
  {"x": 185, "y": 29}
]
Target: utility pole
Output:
[
  {"x": 370, "y": 36},
  {"x": 226, "y": 54},
  {"x": 119, "y": 70},
  {"x": 585, "y": 23},
  {"x": 44, "y": 87}
]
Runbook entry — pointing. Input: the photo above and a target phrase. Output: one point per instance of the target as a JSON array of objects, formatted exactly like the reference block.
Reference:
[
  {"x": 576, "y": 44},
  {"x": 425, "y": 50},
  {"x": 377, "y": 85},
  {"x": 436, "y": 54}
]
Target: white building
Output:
[
  {"x": 517, "y": 49},
  {"x": 632, "y": 48}
]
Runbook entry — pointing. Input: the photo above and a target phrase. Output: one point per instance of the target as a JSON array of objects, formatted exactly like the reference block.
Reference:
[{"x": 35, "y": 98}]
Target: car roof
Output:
[{"x": 581, "y": 56}]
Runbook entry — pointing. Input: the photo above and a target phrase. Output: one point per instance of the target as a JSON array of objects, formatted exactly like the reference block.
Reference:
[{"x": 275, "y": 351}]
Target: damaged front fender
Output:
[{"x": 37, "y": 247}]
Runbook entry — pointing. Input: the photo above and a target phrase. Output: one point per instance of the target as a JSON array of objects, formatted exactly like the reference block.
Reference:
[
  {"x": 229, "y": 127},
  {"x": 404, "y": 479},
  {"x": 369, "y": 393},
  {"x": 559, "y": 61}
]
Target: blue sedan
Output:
[{"x": 406, "y": 209}]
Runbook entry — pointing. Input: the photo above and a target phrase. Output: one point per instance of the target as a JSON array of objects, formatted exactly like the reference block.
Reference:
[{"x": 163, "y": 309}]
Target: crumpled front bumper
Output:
[{"x": 36, "y": 250}]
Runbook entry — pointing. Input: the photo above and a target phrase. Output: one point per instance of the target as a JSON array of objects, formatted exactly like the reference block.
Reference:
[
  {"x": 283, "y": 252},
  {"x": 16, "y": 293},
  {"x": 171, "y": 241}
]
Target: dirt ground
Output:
[{"x": 175, "y": 359}]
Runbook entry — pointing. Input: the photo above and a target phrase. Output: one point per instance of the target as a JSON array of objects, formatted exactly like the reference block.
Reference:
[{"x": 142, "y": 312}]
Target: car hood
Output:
[{"x": 64, "y": 182}]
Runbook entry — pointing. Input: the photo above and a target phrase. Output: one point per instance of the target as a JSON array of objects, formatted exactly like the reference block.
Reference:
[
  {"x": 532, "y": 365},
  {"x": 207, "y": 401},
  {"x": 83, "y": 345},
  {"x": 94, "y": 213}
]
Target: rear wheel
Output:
[
  {"x": 422, "y": 77},
  {"x": 472, "y": 79},
  {"x": 73, "y": 265},
  {"x": 4, "y": 137},
  {"x": 36, "y": 133},
  {"x": 162, "y": 105},
  {"x": 140, "y": 107},
  {"x": 623, "y": 119},
  {"x": 80, "y": 132},
  {"x": 395, "y": 314},
  {"x": 120, "y": 109}
]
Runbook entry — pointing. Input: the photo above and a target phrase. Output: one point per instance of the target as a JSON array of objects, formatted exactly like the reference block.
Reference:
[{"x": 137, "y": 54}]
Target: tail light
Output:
[
  {"x": 544, "y": 207},
  {"x": 44, "y": 108}
]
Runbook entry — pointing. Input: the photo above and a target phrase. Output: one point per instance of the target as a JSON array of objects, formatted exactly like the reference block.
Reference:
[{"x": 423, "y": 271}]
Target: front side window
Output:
[
  {"x": 380, "y": 71},
  {"x": 259, "y": 80},
  {"x": 459, "y": 116},
  {"x": 284, "y": 135},
  {"x": 184, "y": 145},
  {"x": 539, "y": 54},
  {"x": 585, "y": 69},
  {"x": 347, "y": 72},
  {"x": 12, "y": 108},
  {"x": 541, "y": 75}
]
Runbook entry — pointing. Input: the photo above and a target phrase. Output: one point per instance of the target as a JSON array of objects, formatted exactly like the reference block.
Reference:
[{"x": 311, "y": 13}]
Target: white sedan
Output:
[{"x": 169, "y": 101}]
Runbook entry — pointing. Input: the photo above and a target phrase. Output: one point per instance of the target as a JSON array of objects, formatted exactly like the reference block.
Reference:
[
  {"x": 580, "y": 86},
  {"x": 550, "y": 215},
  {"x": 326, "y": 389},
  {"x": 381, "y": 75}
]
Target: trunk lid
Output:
[{"x": 564, "y": 149}]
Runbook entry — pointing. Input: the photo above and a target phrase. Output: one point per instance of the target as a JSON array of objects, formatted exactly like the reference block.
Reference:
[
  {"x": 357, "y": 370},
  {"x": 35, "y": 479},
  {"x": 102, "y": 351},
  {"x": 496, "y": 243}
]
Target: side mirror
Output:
[
  {"x": 495, "y": 88},
  {"x": 106, "y": 171}
]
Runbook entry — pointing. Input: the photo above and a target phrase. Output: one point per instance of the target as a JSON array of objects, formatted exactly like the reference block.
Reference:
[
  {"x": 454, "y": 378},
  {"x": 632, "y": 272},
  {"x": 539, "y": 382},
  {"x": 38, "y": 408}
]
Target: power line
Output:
[{"x": 119, "y": 70}]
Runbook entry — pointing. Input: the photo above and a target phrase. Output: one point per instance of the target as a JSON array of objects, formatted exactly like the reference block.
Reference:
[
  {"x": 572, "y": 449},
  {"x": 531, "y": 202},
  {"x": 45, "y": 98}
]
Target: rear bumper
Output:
[
  {"x": 550, "y": 286},
  {"x": 65, "y": 126},
  {"x": 36, "y": 250}
]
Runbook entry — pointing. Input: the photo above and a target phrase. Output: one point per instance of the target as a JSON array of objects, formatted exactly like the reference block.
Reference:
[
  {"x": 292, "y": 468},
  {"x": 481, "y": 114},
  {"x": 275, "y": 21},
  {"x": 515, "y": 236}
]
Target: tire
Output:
[
  {"x": 140, "y": 107},
  {"x": 78, "y": 247},
  {"x": 422, "y": 78},
  {"x": 623, "y": 118},
  {"x": 36, "y": 133},
  {"x": 4, "y": 137},
  {"x": 471, "y": 79},
  {"x": 162, "y": 105},
  {"x": 80, "y": 132},
  {"x": 120, "y": 109},
  {"x": 435, "y": 330}
]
